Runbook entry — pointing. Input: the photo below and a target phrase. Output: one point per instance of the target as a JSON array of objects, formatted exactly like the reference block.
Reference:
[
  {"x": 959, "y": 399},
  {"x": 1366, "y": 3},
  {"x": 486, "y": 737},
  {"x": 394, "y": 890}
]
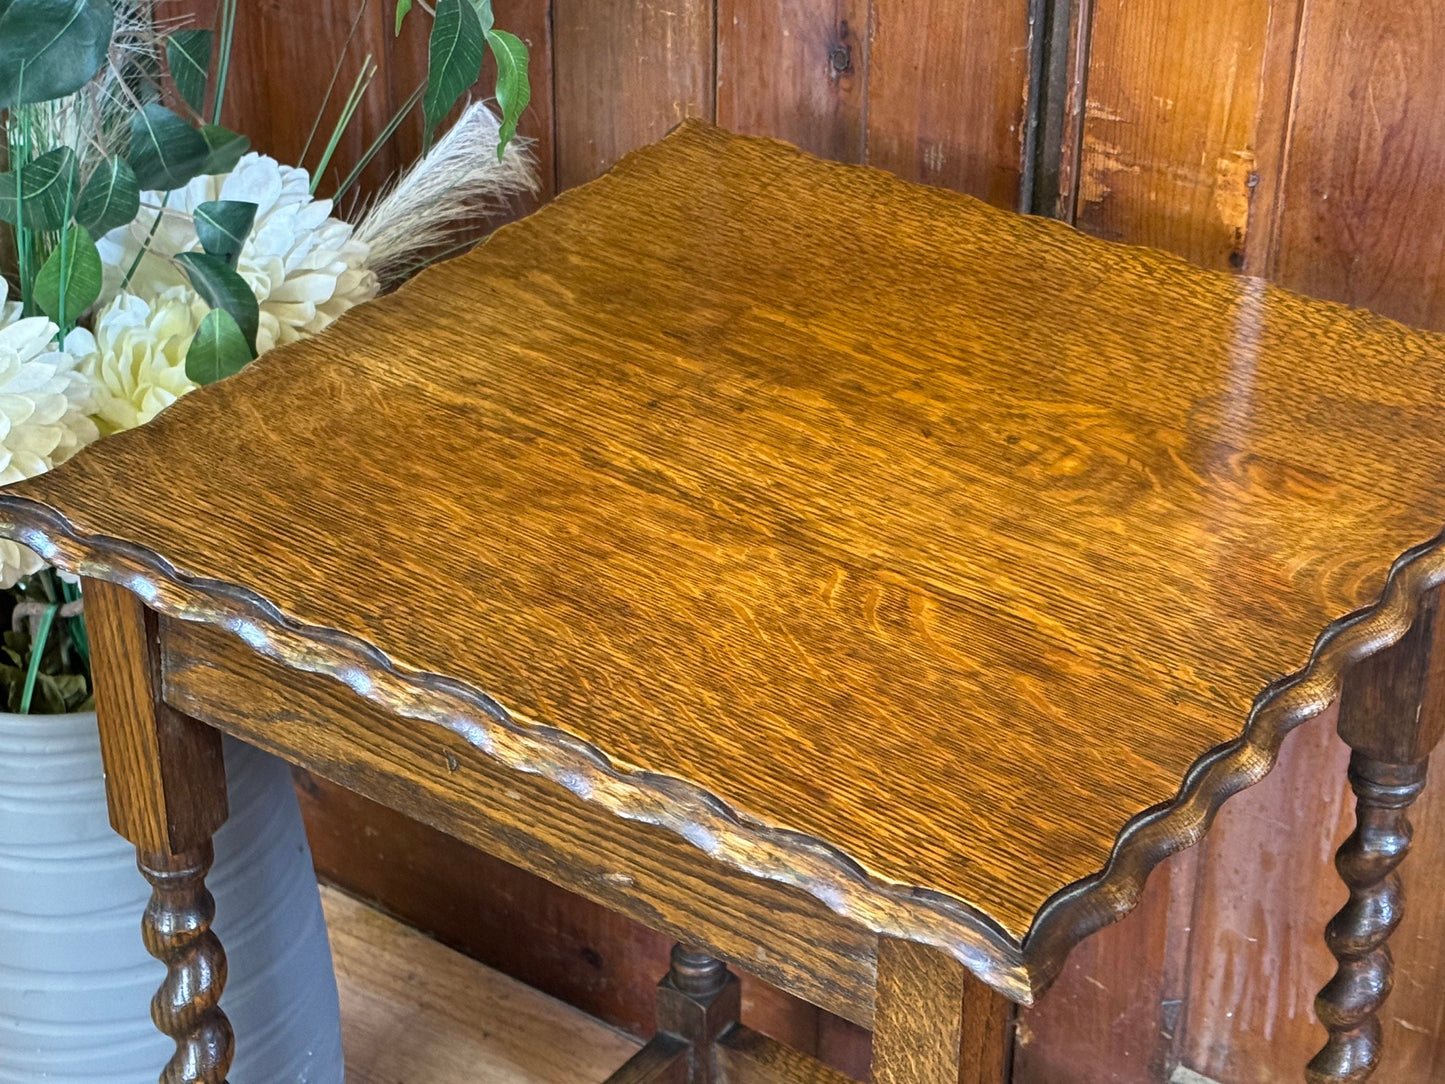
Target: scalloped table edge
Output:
[{"x": 1019, "y": 971}]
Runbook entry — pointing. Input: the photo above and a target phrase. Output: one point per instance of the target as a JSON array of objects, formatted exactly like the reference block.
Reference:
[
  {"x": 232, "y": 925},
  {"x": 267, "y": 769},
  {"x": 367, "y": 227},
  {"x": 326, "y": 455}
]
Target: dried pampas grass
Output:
[{"x": 427, "y": 208}]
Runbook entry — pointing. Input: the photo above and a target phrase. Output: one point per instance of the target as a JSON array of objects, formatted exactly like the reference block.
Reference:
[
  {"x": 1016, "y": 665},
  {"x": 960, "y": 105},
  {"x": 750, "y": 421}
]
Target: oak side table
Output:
[{"x": 861, "y": 584}]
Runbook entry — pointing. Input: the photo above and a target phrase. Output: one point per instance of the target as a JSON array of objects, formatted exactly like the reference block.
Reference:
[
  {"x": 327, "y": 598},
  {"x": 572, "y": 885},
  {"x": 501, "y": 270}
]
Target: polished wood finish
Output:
[
  {"x": 433, "y": 775},
  {"x": 1349, "y": 1005},
  {"x": 166, "y": 788},
  {"x": 640, "y": 428},
  {"x": 165, "y": 780},
  {"x": 177, "y": 931},
  {"x": 934, "y": 1023},
  {"x": 1332, "y": 214},
  {"x": 1392, "y": 714}
]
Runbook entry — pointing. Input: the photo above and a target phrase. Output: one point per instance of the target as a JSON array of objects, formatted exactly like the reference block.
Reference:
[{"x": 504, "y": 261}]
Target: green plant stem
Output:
[
  {"x": 331, "y": 86},
  {"x": 348, "y": 110},
  {"x": 223, "y": 62},
  {"x": 67, "y": 260},
  {"x": 380, "y": 141},
  {"x": 37, "y": 652},
  {"x": 144, "y": 248}
]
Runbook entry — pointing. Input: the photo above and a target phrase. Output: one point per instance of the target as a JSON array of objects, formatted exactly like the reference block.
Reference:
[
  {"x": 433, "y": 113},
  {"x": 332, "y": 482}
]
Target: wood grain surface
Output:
[
  {"x": 625, "y": 73},
  {"x": 165, "y": 781},
  {"x": 766, "y": 498},
  {"x": 815, "y": 56},
  {"x": 933, "y": 1023},
  {"x": 414, "y": 1012},
  {"x": 428, "y": 773},
  {"x": 947, "y": 106}
]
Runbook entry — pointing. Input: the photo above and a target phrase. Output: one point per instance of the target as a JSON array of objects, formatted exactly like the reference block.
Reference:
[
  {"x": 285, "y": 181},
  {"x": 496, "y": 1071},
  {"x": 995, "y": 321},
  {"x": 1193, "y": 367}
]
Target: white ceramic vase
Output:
[{"x": 75, "y": 980}]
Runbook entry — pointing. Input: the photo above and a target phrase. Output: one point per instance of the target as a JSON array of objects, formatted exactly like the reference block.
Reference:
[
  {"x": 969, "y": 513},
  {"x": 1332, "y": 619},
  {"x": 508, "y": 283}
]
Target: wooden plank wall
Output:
[{"x": 1298, "y": 140}]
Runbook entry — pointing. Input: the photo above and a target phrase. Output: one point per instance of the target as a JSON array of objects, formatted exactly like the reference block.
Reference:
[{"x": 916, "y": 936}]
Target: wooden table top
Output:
[{"x": 874, "y": 539}]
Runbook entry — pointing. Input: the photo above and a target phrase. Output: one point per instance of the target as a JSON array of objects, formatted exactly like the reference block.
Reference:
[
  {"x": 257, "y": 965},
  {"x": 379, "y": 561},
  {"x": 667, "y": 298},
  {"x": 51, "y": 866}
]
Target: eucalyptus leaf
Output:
[
  {"x": 513, "y": 90},
  {"x": 222, "y": 226},
  {"x": 165, "y": 151},
  {"x": 218, "y": 350},
  {"x": 454, "y": 59},
  {"x": 45, "y": 187},
  {"x": 223, "y": 288},
  {"x": 402, "y": 8},
  {"x": 51, "y": 48},
  {"x": 69, "y": 281},
  {"x": 226, "y": 148},
  {"x": 188, "y": 52},
  {"x": 109, "y": 199}
]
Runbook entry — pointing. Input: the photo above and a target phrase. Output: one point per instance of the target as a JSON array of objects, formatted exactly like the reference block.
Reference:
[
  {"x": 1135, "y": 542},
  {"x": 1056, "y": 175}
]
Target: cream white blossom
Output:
[
  {"x": 45, "y": 403},
  {"x": 305, "y": 267},
  {"x": 136, "y": 356}
]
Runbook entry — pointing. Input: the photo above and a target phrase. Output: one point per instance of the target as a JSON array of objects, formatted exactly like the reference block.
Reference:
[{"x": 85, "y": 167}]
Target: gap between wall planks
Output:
[{"x": 1293, "y": 138}]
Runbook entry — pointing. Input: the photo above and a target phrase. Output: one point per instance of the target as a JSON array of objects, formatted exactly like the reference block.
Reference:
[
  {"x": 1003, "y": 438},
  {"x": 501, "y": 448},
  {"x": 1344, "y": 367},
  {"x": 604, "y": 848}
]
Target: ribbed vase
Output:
[{"x": 75, "y": 980}]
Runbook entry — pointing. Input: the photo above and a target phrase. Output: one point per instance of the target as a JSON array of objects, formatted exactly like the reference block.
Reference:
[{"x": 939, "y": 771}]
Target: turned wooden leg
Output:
[
  {"x": 934, "y": 1023},
  {"x": 166, "y": 787},
  {"x": 177, "y": 931},
  {"x": 1392, "y": 713},
  {"x": 1349, "y": 1005},
  {"x": 698, "y": 1002}
]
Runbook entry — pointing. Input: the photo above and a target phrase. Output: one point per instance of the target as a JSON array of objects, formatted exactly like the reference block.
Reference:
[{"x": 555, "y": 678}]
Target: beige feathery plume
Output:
[{"x": 429, "y": 206}]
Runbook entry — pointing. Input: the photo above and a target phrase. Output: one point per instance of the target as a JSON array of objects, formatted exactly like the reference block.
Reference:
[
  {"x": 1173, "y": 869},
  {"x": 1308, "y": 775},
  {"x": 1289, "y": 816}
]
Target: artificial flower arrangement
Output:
[{"x": 151, "y": 251}]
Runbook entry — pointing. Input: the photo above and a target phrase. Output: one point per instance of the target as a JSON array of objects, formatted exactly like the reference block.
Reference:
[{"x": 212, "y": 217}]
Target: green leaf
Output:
[
  {"x": 109, "y": 199},
  {"x": 188, "y": 52},
  {"x": 402, "y": 8},
  {"x": 513, "y": 90},
  {"x": 224, "y": 289},
  {"x": 218, "y": 350},
  {"x": 222, "y": 226},
  {"x": 483, "y": 8},
  {"x": 46, "y": 187},
  {"x": 51, "y": 48},
  {"x": 226, "y": 148},
  {"x": 454, "y": 59},
  {"x": 165, "y": 151},
  {"x": 69, "y": 281}
]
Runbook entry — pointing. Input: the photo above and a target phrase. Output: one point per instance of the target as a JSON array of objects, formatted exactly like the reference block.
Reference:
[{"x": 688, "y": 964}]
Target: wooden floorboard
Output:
[{"x": 415, "y": 1012}]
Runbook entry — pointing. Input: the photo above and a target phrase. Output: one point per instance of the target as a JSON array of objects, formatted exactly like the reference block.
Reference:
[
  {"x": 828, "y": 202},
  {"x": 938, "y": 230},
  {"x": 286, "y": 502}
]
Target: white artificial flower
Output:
[
  {"x": 45, "y": 403},
  {"x": 136, "y": 356},
  {"x": 304, "y": 266}
]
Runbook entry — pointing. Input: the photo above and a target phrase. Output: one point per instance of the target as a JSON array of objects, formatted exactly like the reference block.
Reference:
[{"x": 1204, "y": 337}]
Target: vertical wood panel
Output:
[
  {"x": 1257, "y": 953},
  {"x": 1110, "y": 1017},
  {"x": 626, "y": 72},
  {"x": 795, "y": 70},
  {"x": 947, "y": 93},
  {"x": 1172, "y": 152},
  {"x": 1362, "y": 217}
]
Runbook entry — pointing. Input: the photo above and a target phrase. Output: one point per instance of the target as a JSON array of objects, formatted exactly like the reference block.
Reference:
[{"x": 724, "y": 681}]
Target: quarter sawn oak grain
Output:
[{"x": 873, "y": 539}]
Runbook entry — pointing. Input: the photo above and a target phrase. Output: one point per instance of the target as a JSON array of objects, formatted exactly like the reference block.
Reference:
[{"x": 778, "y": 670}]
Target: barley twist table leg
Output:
[
  {"x": 1349, "y": 1004},
  {"x": 177, "y": 931}
]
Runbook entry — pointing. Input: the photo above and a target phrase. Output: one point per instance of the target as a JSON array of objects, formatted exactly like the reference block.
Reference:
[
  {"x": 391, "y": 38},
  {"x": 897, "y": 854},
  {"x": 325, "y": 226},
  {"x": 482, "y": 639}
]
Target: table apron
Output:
[{"x": 781, "y": 935}]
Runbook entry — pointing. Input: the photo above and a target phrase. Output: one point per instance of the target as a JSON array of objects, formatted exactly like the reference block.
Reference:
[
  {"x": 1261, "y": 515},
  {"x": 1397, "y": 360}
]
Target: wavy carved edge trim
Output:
[{"x": 1019, "y": 971}]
